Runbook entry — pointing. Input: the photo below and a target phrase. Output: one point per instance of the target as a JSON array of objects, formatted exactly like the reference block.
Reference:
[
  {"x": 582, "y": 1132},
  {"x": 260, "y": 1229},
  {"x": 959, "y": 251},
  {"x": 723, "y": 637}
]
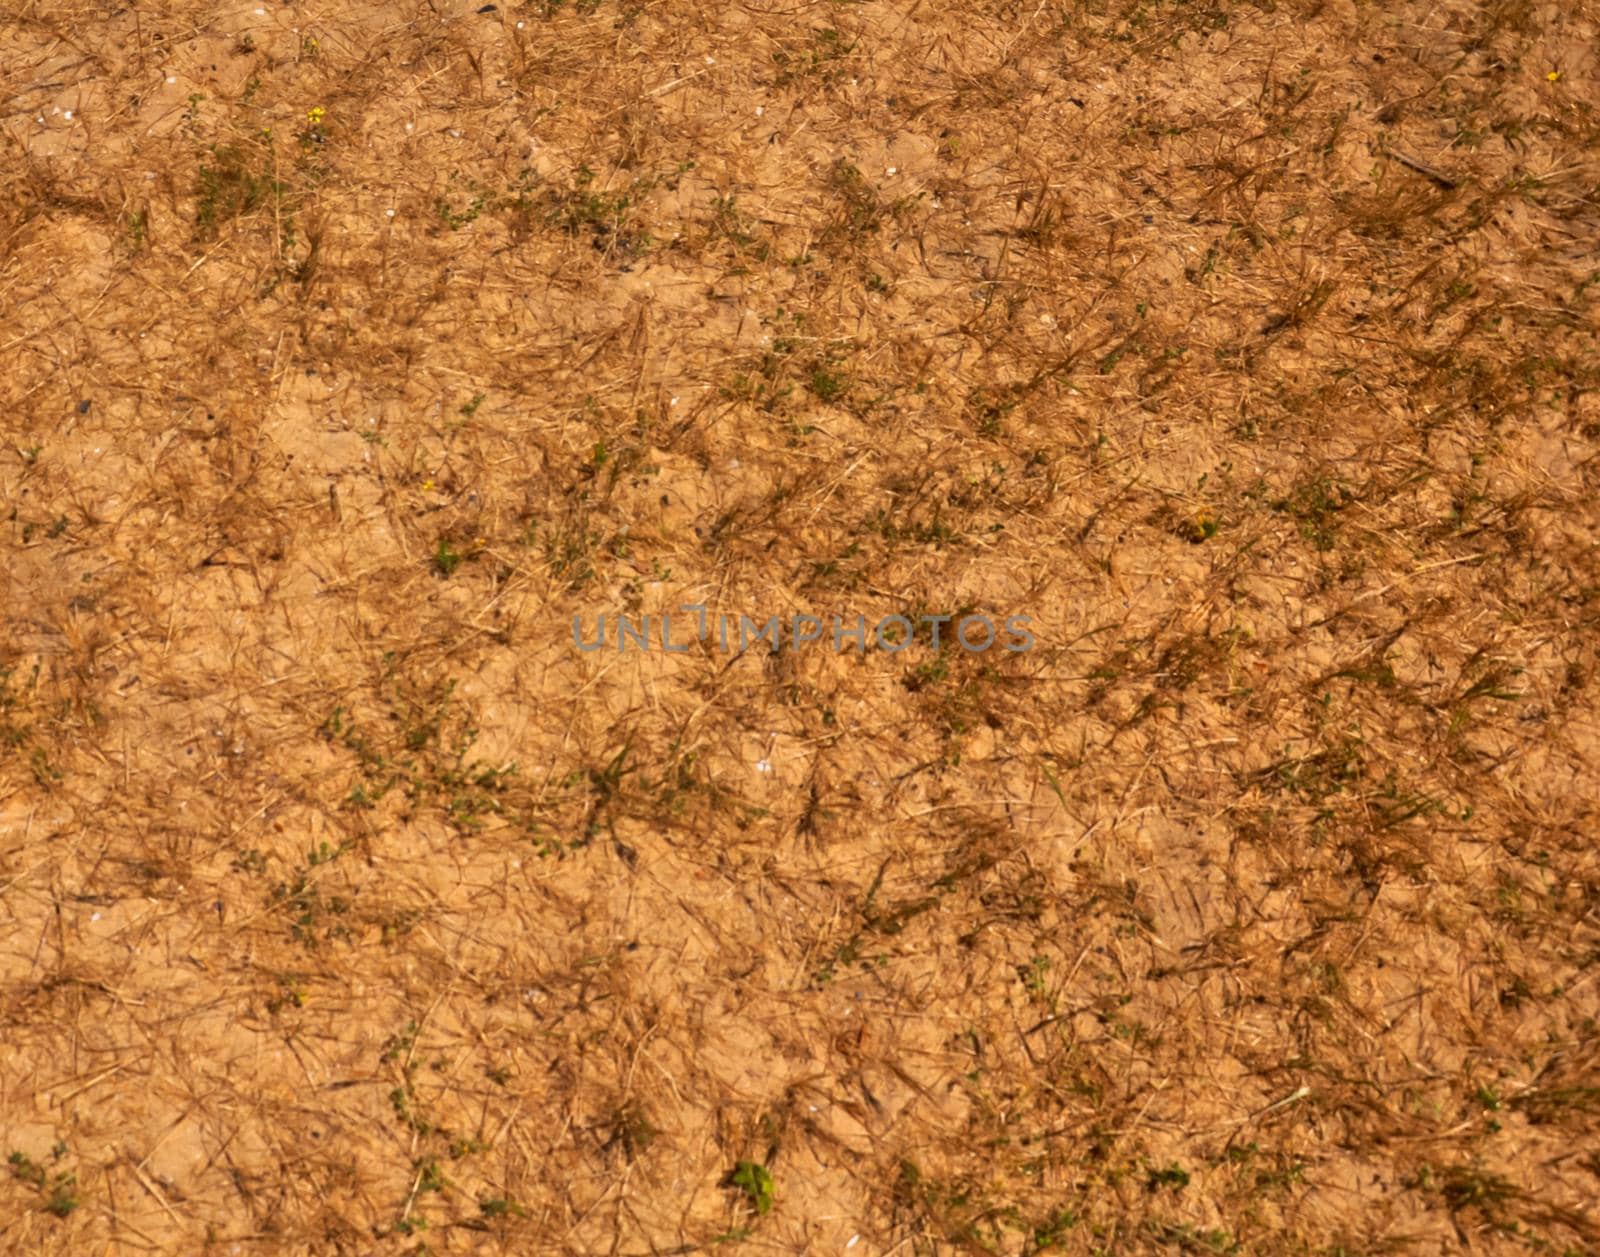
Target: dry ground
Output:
[{"x": 349, "y": 349}]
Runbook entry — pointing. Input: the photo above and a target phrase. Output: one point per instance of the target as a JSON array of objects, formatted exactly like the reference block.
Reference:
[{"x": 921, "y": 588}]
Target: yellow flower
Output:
[
  {"x": 426, "y": 485},
  {"x": 1554, "y": 76},
  {"x": 315, "y": 115}
]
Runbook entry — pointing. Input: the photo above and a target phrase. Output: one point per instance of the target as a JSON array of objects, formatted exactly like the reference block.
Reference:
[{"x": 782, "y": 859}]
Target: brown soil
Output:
[{"x": 350, "y": 350}]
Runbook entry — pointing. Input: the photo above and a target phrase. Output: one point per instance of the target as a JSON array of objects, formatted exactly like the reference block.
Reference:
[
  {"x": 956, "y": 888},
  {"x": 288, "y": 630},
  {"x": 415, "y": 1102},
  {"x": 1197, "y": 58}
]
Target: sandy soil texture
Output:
[{"x": 356, "y": 357}]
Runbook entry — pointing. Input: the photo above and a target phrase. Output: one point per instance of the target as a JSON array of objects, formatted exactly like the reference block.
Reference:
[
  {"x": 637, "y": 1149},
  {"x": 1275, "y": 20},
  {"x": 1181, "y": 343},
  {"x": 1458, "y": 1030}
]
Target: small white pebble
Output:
[
  {"x": 673, "y": 402},
  {"x": 68, "y": 115},
  {"x": 760, "y": 109},
  {"x": 410, "y": 127},
  {"x": 889, "y": 171},
  {"x": 854, "y": 1240},
  {"x": 711, "y": 61},
  {"x": 762, "y": 766},
  {"x": 388, "y": 213},
  {"x": 94, "y": 916},
  {"x": 172, "y": 78},
  {"x": 519, "y": 26},
  {"x": 261, "y": 13}
]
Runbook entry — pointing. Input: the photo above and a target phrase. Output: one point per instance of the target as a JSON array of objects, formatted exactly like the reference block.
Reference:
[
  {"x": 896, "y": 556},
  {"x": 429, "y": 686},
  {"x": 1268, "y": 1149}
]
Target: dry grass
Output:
[{"x": 349, "y": 351}]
